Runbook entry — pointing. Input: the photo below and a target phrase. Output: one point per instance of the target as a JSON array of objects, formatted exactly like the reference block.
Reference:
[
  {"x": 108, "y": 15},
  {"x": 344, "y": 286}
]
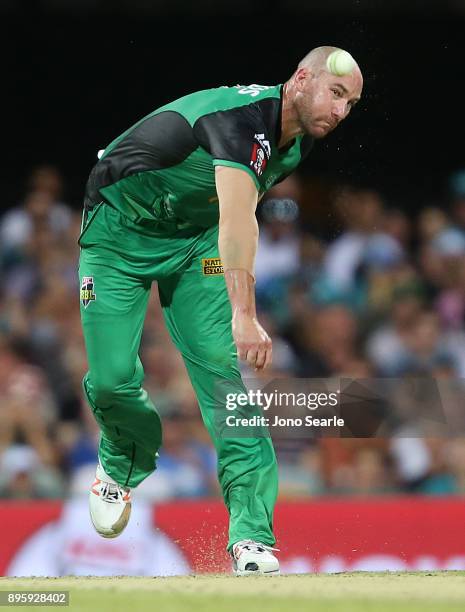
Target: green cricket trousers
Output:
[{"x": 119, "y": 260}]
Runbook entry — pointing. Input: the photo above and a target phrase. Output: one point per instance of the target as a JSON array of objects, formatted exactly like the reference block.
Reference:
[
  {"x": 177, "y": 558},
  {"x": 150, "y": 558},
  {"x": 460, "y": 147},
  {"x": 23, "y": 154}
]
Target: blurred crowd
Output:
[{"x": 383, "y": 296}]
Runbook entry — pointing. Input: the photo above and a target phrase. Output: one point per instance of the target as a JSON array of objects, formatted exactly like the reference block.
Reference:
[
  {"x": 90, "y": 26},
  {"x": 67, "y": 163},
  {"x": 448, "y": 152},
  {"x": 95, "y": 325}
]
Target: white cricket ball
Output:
[{"x": 340, "y": 62}]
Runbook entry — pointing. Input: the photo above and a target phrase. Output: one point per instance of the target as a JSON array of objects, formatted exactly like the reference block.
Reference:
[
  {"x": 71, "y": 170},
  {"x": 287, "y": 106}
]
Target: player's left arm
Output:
[
  {"x": 238, "y": 141},
  {"x": 237, "y": 243},
  {"x": 238, "y": 227}
]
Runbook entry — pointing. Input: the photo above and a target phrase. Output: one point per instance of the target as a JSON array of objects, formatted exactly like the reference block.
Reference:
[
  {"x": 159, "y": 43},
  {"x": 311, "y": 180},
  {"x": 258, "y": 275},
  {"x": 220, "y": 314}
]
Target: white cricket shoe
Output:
[
  {"x": 251, "y": 557},
  {"x": 109, "y": 505}
]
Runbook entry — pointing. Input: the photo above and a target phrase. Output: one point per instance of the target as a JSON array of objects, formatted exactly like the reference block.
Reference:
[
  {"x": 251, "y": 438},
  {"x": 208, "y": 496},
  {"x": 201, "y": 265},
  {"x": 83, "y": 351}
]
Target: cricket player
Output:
[{"x": 173, "y": 200}]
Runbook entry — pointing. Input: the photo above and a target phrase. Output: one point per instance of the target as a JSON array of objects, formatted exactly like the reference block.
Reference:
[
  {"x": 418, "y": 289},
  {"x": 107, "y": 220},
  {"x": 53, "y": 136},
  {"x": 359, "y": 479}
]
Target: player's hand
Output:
[{"x": 252, "y": 342}]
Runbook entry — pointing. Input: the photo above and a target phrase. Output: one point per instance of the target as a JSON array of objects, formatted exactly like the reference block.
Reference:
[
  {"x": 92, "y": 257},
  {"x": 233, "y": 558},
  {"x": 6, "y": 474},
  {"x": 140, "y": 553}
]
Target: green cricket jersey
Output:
[{"x": 162, "y": 168}]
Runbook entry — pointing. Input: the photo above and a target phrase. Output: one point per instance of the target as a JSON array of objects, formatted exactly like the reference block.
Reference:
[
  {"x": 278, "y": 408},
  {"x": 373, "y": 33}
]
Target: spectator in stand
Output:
[
  {"x": 27, "y": 409},
  {"x": 278, "y": 247},
  {"x": 387, "y": 344},
  {"x": 332, "y": 335},
  {"x": 277, "y": 256},
  {"x": 426, "y": 347},
  {"x": 356, "y": 466},
  {"x": 360, "y": 212},
  {"x": 302, "y": 476},
  {"x": 24, "y": 476},
  {"x": 42, "y": 208},
  {"x": 396, "y": 223}
]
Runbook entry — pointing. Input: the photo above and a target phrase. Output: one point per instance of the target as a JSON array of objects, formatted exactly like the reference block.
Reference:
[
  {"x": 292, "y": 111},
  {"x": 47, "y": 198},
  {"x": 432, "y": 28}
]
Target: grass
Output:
[{"x": 347, "y": 592}]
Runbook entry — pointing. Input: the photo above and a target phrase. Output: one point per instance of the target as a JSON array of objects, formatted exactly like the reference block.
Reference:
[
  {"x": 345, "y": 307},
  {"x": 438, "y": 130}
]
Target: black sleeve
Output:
[{"x": 237, "y": 137}]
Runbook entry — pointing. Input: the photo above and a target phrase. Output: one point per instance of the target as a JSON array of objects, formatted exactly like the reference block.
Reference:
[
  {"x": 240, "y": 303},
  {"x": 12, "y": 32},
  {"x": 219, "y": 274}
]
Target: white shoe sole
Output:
[
  {"x": 117, "y": 528},
  {"x": 256, "y": 573}
]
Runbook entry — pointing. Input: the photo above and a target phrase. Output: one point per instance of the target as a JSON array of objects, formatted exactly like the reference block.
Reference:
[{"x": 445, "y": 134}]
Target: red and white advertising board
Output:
[{"x": 324, "y": 535}]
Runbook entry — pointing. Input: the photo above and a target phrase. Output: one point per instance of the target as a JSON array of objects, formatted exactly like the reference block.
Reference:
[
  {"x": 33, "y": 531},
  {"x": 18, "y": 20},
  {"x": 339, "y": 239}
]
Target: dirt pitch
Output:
[{"x": 348, "y": 592}]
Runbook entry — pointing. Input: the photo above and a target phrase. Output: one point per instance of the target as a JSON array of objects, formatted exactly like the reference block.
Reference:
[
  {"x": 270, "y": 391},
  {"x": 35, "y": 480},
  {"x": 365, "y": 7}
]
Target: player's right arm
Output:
[{"x": 237, "y": 242}]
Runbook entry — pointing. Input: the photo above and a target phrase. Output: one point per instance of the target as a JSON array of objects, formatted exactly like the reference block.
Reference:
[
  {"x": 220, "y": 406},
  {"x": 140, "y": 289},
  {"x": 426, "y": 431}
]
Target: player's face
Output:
[{"x": 324, "y": 100}]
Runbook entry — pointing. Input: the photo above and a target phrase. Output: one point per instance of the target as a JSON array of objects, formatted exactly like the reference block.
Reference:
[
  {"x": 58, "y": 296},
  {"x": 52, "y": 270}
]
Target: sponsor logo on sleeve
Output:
[
  {"x": 212, "y": 267},
  {"x": 252, "y": 90},
  {"x": 87, "y": 291},
  {"x": 261, "y": 153}
]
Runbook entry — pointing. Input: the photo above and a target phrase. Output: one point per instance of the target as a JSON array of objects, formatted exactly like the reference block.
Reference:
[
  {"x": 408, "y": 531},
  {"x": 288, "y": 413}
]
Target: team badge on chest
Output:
[{"x": 87, "y": 291}]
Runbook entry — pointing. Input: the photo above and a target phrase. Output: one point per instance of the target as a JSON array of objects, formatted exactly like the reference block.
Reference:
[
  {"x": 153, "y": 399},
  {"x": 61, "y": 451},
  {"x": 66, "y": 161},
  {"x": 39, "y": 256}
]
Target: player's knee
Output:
[
  {"x": 111, "y": 385},
  {"x": 103, "y": 393},
  {"x": 223, "y": 358}
]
